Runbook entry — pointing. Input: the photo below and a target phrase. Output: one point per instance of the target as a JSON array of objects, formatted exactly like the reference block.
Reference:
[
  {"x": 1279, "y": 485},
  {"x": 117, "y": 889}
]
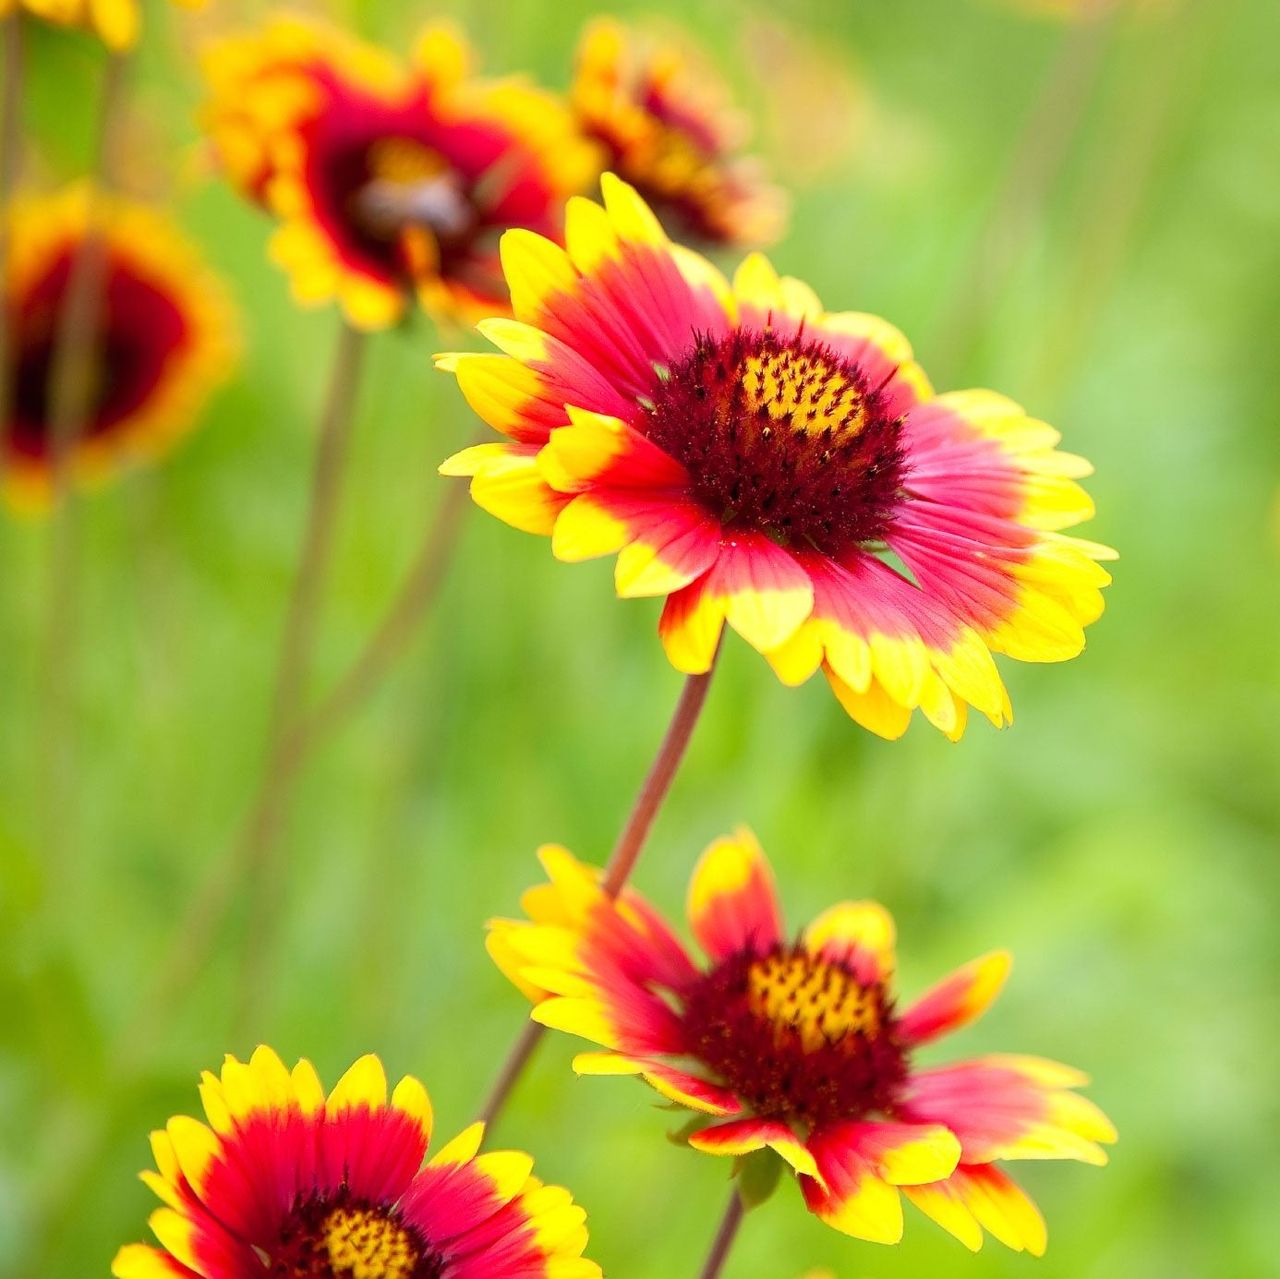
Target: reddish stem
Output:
[
  {"x": 725, "y": 1235},
  {"x": 631, "y": 841},
  {"x": 517, "y": 1059},
  {"x": 622, "y": 861}
]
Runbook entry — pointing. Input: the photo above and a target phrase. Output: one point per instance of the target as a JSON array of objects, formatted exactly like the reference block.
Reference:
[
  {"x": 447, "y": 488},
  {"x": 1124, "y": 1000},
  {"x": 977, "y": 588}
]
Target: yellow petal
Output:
[
  {"x": 195, "y": 1147},
  {"x": 535, "y": 269},
  {"x": 412, "y": 1099},
  {"x": 364, "y": 1084},
  {"x": 462, "y": 1149},
  {"x": 585, "y": 530},
  {"x": 930, "y": 1156},
  {"x": 507, "y": 1169}
]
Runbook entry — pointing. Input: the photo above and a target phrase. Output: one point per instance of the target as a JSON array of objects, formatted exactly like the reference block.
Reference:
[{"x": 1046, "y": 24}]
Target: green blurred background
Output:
[{"x": 1083, "y": 217}]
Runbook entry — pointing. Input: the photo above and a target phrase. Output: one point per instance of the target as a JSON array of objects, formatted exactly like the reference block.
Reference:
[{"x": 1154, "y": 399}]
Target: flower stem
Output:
[
  {"x": 395, "y": 630},
  {"x": 1039, "y": 153},
  {"x": 255, "y": 859},
  {"x": 512, "y": 1068},
  {"x": 622, "y": 861},
  {"x": 249, "y": 868},
  {"x": 725, "y": 1235},
  {"x": 72, "y": 379},
  {"x": 631, "y": 841},
  {"x": 213, "y": 900},
  {"x": 1155, "y": 109},
  {"x": 332, "y": 447}
]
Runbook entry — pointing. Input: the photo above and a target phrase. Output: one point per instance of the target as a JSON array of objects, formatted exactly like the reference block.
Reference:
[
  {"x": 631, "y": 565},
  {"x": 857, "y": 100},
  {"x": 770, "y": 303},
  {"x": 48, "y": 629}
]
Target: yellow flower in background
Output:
[
  {"x": 799, "y": 1046},
  {"x": 166, "y": 337},
  {"x": 115, "y": 22},
  {"x": 762, "y": 462},
  {"x": 388, "y": 178},
  {"x": 665, "y": 125},
  {"x": 283, "y": 1180}
]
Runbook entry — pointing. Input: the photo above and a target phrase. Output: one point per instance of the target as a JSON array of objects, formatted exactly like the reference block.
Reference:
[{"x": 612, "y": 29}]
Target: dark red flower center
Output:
[
  {"x": 782, "y": 435},
  {"x": 141, "y": 328},
  {"x": 397, "y": 202},
  {"x": 344, "y": 1238},
  {"x": 796, "y": 1036},
  {"x": 380, "y": 189}
]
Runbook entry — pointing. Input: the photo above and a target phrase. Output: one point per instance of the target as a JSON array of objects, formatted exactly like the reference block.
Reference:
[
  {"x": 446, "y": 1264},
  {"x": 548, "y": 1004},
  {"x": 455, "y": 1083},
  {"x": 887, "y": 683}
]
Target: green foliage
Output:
[
  {"x": 1120, "y": 838},
  {"x": 758, "y": 1176}
]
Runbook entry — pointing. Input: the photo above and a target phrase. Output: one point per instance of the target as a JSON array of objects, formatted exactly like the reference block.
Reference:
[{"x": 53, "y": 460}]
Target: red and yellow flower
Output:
[
  {"x": 388, "y": 178},
  {"x": 284, "y": 1181},
  {"x": 798, "y": 1046},
  {"x": 115, "y": 22},
  {"x": 665, "y": 125},
  {"x": 760, "y": 461},
  {"x": 166, "y": 337}
]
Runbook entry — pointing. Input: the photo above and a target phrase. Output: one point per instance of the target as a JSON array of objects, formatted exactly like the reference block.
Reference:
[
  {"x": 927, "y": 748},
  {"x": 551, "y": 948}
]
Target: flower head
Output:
[
  {"x": 388, "y": 178},
  {"x": 165, "y": 336},
  {"x": 115, "y": 22},
  {"x": 284, "y": 1181},
  {"x": 762, "y": 462},
  {"x": 798, "y": 1046},
  {"x": 666, "y": 127}
]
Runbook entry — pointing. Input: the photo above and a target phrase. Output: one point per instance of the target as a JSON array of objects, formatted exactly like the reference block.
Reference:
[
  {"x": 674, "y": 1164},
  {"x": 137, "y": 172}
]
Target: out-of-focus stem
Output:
[
  {"x": 73, "y": 378},
  {"x": 198, "y": 933},
  {"x": 255, "y": 860},
  {"x": 249, "y": 868},
  {"x": 626, "y": 852},
  {"x": 1038, "y": 155},
  {"x": 1122, "y": 183},
  {"x": 725, "y": 1235},
  {"x": 396, "y": 629}
]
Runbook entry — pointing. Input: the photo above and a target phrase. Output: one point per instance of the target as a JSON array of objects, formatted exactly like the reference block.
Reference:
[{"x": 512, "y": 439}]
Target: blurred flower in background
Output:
[
  {"x": 799, "y": 1047},
  {"x": 167, "y": 335},
  {"x": 388, "y": 178},
  {"x": 757, "y": 460},
  {"x": 800, "y": 79},
  {"x": 115, "y": 22},
  {"x": 283, "y": 1181},
  {"x": 666, "y": 126}
]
